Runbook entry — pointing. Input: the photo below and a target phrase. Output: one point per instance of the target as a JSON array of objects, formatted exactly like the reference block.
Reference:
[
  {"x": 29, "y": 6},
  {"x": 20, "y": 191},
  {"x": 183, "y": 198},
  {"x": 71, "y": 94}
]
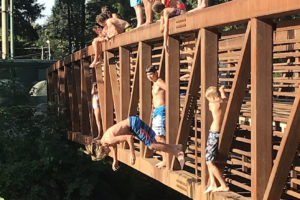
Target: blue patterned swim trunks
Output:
[
  {"x": 141, "y": 130},
  {"x": 135, "y": 2},
  {"x": 158, "y": 120}
]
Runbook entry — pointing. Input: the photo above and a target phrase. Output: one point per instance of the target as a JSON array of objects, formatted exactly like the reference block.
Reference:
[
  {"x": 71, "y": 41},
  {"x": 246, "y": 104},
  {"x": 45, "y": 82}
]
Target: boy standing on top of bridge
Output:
[
  {"x": 217, "y": 104},
  {"x": 168, "y": 9},
  {"x": 159, "y": 112},
  {"x": 124, "y": 131}
]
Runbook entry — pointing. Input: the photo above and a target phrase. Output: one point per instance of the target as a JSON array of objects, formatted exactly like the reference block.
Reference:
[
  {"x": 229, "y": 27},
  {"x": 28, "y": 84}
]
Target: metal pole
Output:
[
  {"x": 42, "y": 55},
  {"x": 4, "y": 29},
  {"x": 12, "y": 41}
]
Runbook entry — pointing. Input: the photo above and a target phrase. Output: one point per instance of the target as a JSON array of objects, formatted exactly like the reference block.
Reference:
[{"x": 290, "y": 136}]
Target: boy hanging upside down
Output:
[{"x": 125, "y": 131}]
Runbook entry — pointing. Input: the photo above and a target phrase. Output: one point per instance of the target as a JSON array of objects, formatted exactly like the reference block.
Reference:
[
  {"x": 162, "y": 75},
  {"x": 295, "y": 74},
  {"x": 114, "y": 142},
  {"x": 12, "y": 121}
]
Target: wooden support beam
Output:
[
  {"x": 286, "y": 153},
  {"x": 108, "y": 120},
  {"x": 69, "y": 97},
  {"x": 172, "y": 94},
  {"x": 134, "y": 100},
  {"x": 145, "y": 97},
  {"x": 261, "y": 106},
  {"x": 49, "y": 86},
  {"x": 190, "y": 99},
  {"x": 88, "y": 87},
  {"x": 209, "y": 77},
  {"x": 77, "y": 81},
  {"x": 73, "y": 99},
  {"x": 235, "y": 100},
  {"x": 124, "y": 82},
  {"x": 85, "y": 125}
]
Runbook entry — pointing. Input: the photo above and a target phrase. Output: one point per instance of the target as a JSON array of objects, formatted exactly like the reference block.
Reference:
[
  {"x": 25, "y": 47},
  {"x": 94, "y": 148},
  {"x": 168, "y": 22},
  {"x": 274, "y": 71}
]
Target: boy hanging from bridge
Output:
[
  {"x": 167, "y": 9},
  {"x": 125, "y": 131},
  {"x": 217, "y": 103}
]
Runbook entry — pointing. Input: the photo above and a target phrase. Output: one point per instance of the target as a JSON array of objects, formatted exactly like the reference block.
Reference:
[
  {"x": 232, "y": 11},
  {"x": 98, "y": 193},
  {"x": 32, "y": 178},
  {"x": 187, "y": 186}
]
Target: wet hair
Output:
[
  {"x": 96, "y": 26},
  {"x": 97, "y": 152},
  {"x": 94, "y": 84},
  {"x": 101, "y": 18},
  {"x": 212, "y": 91},
  {"x": 158, "y": 7},
  {"x": 151, "y": 68}
]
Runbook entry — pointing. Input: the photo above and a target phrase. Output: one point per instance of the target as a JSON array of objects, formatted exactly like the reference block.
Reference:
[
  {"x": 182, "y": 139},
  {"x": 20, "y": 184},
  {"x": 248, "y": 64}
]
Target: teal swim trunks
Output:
[{"x": 135, "y": 2}]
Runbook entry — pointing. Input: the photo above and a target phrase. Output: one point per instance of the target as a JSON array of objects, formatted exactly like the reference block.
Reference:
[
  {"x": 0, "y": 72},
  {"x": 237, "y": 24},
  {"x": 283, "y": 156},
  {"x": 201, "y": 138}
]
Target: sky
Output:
[{"x": 47, "y": 12}]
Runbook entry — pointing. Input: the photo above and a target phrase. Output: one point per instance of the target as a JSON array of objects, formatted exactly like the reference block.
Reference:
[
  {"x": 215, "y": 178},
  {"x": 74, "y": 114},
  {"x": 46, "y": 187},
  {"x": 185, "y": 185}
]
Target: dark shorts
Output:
[
  {"x": 141, "y": 130},
  {"x": 212, "y": 146},
  {"x": 176, "y": 12}
]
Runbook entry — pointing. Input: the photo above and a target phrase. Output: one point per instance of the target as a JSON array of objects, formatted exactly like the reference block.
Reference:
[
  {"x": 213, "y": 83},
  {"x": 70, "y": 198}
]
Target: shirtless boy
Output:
[
  {"x": 159, "y": 112},
  {"x": 167, "y": 9},
  {"x": 96, "y": 108},
  {"x": 217, "y": 103},
  {"x": 125, "y": 131},
  {"x": 101, "y": 32}
]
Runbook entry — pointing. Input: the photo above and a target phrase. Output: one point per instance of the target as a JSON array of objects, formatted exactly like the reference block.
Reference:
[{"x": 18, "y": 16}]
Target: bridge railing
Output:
[{"x": 259, "y": 63}]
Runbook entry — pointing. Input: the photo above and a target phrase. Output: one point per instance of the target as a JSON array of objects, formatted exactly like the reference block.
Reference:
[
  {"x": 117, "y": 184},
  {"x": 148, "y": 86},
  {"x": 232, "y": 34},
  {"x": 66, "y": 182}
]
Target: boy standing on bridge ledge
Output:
[
  {"x": 217, "y": 104},
  {"x": 169, "y": 9},
  {"x": 159, "y": 112},
  {"x": 125, "y": 131}
]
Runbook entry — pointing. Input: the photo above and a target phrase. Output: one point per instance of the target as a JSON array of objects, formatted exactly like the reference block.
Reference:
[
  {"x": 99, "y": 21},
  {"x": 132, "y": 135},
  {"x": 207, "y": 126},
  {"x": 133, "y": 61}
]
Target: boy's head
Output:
[
  {"x": 151, "y": 72},
  {"x": 97, "y": 28},
  {"x": 98, "y": 152},
  {"x": 212, "y": 92},
  {"x": 158, "y": 7},
  {"x": 101, "y": 18},
  {"x": 105, "y": 9},
  {"x": 94, "y": 85}
]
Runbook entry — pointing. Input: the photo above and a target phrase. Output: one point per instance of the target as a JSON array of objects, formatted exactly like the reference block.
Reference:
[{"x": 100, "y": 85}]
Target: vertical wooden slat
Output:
[
  {"x": 286, "y": 153},
  {"x": 145, "y": 86},
  {"x": 124, "y": 82},
  {"x": 190, "y": 100},
  {"x": 235, "y": 99},
  {"x": 172, "y": 94},
  {"x": 74, "y": 100},
  {"x": 77, "y": 81},
  {"x": 85, "y": 125},
  {"x": 133, "y": 103},
  {"x": 108, "y": 101},
  {"x": 261, "y": 106},
  {"x": 209, "y": 77},
  {"x": 66, "y": 88},
  {"x": 115, "y": 88}
]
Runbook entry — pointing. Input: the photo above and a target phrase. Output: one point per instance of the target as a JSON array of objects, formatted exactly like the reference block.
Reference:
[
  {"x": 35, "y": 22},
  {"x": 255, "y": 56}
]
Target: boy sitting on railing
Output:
[
  {"x": 171, "y": 8},
  {"x": 217, "y": 103},
  {"x": 101, "y": 32},
  {"x": 125, "y": 131}
]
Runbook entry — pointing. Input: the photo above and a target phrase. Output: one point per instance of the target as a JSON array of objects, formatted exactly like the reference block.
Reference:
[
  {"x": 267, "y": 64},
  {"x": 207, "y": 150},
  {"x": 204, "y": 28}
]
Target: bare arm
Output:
[
  {"x": 167, "y": 11},
  {"x": 115, "y": 165},
  {"x": 161, "y": 84},
  {"x": 222, "y": 92},
  {"x": 161, "y": 27},
  {"x": 112, "y": 30}
]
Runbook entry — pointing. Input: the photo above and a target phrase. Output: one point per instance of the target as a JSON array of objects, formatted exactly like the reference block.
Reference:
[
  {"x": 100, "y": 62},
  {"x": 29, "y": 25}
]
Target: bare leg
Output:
[
  {"x": 98, "y": 122},
  {"x": 97, "y": 50},
  {"x": 161, "y": 139},
  {"x": 217, "y": 174},
  {"x": 201, "y": 4},
  {"x": 212, "y": 185},
  {"x": 139, "y": 15},
  {"x": 148, "y": 11},
  {"x": 172, "y": 149}
]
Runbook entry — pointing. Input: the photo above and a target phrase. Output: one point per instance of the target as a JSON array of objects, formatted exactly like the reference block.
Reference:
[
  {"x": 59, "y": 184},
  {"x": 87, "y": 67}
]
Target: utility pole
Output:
[
  {"x": 4, "y": 29},
  {"x": 12, "y": 41}
]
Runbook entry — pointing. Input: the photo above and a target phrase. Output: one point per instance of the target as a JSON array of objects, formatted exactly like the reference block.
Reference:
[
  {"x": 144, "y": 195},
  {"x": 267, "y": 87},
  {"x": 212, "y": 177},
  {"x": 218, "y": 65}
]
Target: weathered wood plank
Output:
[
  {"x": 115, "y": 88},
  {"x": 261, "y": 106},
  {"x": 172, "y": 94},
  {"x": 124, "y": 81},
  {"x": 145, "y": 97},
  {"x": 134, "y": 100},
  {"x": 85, "y": 124}
]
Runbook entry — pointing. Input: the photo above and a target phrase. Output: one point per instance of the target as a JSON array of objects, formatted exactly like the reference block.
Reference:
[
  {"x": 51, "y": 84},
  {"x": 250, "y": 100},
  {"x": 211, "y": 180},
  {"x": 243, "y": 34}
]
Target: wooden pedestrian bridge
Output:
[{"x": 259, "y": 63}]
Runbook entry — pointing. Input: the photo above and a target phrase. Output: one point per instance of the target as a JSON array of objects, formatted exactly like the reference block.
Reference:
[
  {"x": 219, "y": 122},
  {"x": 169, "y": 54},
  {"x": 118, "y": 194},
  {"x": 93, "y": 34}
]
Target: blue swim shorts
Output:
[
  {"x": 135, "y": 2},
  {"x": 141, "y": 130},
  {"x": 158, "y": 120},
  {"x": 212, "y": 146}
]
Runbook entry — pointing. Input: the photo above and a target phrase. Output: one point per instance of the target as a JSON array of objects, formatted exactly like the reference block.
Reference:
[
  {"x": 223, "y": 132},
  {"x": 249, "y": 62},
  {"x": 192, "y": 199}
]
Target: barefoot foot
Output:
[
  {"x": 221, "y": 189},
  {"x": 210, "y": 189},
  {"x": 160, "y": 164}
]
